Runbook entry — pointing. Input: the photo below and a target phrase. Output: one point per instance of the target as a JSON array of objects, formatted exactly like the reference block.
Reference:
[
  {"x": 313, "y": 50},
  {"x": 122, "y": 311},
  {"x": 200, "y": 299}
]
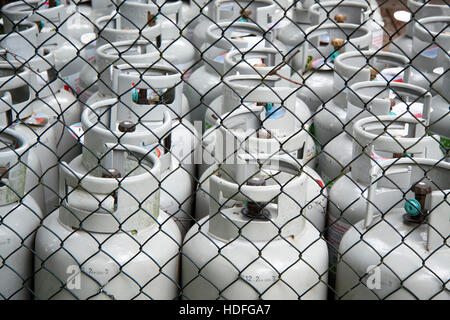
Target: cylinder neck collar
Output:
[{"x": 110, "y": 205}]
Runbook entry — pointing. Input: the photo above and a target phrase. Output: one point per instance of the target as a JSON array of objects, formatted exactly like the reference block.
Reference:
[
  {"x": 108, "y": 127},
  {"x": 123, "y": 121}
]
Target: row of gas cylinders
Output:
[{"x": 113, "y": 171}]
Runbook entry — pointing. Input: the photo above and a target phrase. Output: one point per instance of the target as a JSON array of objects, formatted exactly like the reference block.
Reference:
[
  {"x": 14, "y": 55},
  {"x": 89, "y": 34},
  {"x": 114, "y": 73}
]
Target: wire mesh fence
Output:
[{"x": 225, "y": 149}]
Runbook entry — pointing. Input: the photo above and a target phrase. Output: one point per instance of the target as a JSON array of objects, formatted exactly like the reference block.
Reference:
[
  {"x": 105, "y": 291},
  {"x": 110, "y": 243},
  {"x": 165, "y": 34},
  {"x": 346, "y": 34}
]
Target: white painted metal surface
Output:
[
  {"x": 254, "y": 254},
  {"x": 389, "y": 258},
  {"x": 421, "y": 9},
  {"x": 20, "y": 216},
  {"x": 242, "y": 132},
  {"x": 327, "y": 40},
  {"x": 204, "y": 85},
  {"x": 110, "y": 228},
  {"x": 347, "y": 201}
]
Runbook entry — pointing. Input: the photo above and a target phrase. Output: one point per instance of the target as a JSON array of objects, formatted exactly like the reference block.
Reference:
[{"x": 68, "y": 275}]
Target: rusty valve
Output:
[
  {"x": 340, "y": 18},
  {"x": 256, "y": 210},
  {"x": 415, "y": 208}
]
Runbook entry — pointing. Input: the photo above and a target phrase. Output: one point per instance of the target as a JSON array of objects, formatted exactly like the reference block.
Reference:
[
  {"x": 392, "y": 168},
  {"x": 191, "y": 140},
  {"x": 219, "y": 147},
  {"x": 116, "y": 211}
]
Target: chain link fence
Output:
[{"x": 225, "y": 149}]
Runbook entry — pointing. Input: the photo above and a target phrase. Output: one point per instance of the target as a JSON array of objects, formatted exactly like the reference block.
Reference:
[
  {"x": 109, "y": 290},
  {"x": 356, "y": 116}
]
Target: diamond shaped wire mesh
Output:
[{"x": 224, "y": 149}]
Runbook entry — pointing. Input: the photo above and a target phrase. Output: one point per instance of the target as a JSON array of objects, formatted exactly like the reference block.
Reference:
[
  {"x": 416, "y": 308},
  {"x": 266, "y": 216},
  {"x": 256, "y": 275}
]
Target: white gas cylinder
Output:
[
  {"x": 331, "y": 120},
  {"x": 56, "y": 103},
  {"x": 291, "y": 33},
  {"x": 252, "y": 251},
  {"x": 315, "y": 60},
  {"x": 431, "y": 44},
  {"x": 19, "y": 101},
  {"x": 399, "y": 99},
  {"x": 109, "y": 239},
  {"x": 430, "y": 69},
  {"x": 179, "y": 51},
  {"x": 350, "y": 68},
  {"x": 20, "y": 216},
  {"x": 108, "y": 31},
  {"x": 96, "y": 83},
  {"x": 82, "y": 21},
  {"x": 440, "y": 115},
  {"x": 193, "y": 11},
  {"x": 400, "y": 253},
  {"x": 421, "y": 9},
  {"x": 147, "y": 90},
  {"x": 249, "y": 130},
  {"x": 51, "y": 18},
  {"x": 20, "y": 42},
  {"x": 272, "y": 92},
  {"x": 355, "y": 12},
  {"x": 205, "y": 84},
  {"x": 261, "y": 61},
  {"x": 384, "y": 137},
  {"x": 102, "y": 125},
  {"x": 308, "y": 13},
  {"x": 230, "y": 12}
]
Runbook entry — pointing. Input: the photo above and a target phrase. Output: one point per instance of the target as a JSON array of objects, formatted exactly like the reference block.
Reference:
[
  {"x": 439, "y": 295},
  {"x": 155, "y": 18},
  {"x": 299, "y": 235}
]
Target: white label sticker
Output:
[
  {"x": 336, "y": 230},
  {"x": 255, "y": 61},
  {"x": 401, "y": 108},
  {"x": 227, "y": 7},
  {"x": 391, "y": 75},
  {"x": 76, "y": 130},
  {"x": 221, "y": 57}
]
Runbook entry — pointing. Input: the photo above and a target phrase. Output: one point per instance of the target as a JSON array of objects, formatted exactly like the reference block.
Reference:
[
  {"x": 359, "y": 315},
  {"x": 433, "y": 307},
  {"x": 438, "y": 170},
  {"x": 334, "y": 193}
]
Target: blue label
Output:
[
  {"x": 430, "y": 52},
  {"x": 274, "y": 111},
  {"x": 220, "y": 58}
]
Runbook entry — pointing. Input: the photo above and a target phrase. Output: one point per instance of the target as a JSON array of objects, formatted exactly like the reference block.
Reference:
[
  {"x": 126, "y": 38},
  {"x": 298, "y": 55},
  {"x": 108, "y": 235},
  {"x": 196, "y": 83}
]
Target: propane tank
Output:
[
  {"x": 18, "y": 113},
  {"x": 109, "y": 227},
  {"x": 440, "y": 116},
  {"x": 431, "y": 49},
  {"x": 20, "y": 216},
  {"x": 108, "y": 31},
  {"x": 315, "y": 61},
  {"x": 51, "y": 18},
  {"x": 399, "y": 99},
  {"x": 20, "y": 42},
  {"x": 193, "y": 12},
  {"x": 394, "y": 252},
  {"x": 204, "y": 85},
  {"x": 96, "y": 84},
  {"x": 354, "y": 12},
  {"x": 239, "y": 86},
  {"x": 82, "y": 22},
  {"x": 252, "y": 130},
  {"x": 102, "y": 124},
  {"x": 271, "y": 91},
  {"x": 147, "y": 90},
  {"x": 350, "y": 68},
  {"x": 179, "y": 51},
  {"x": 291, "y": 33},
  {"x": 376, "y": 139},
  {"x": 252, "y": 251},
  {"x": 55, "y": 103},
  {"x": 431, "y": 43},
  {"x": 308, "y": 13},
  {"x": 421, "y": 9},
  {"x": 230, "y": 12}
]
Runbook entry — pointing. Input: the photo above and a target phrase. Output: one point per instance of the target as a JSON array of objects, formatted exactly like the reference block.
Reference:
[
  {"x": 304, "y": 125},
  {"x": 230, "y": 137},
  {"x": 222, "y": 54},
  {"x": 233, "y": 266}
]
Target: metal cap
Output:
[
  {"x": 127, "y": 126},
  {"x": 422, "y": 188}
]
